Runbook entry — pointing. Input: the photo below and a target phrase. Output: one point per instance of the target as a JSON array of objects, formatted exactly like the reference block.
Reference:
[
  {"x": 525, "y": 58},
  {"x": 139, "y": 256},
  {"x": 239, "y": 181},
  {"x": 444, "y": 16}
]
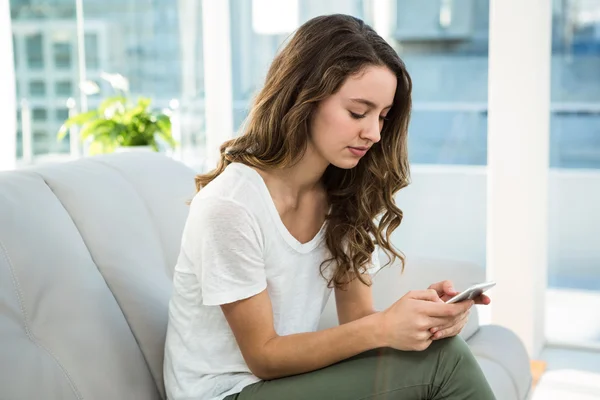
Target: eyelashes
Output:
[
  {"x": 361, "y": 116},
  {"x": 357, "y": 116}
]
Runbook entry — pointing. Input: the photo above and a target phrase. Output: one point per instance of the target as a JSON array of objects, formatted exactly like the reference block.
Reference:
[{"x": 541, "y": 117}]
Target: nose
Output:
[{"x": 372, "y": 131}]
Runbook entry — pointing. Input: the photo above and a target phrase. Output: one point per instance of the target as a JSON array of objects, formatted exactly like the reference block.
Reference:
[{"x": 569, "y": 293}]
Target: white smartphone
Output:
[{"x": 472, "y": 292}]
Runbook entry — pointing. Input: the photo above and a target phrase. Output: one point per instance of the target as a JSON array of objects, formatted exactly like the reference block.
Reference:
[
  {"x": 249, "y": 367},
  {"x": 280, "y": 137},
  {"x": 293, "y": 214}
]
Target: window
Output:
[
  {"x": 40, "y": 135},
  {"x": 15, "y": 51},
  {"x": 574, "y": 192},
  {"x": 62, "y": 114},
  {"x": 575, "y": 120},
  {"x": 63, "y": 88},
  {"x": 35, "y": 54},
  {"x": 43, "y": 38},
  {"x": 157, "y": 47},
  {"x": 37, "y": 88},
  {"x": 253, "y": 46},
  {"x": 62, "y": 55},
  {"x": 41, "y": 142},
  {"x": 39, "y": 114},
  {"x": 92, "y": 60},
  {"x": 19, "y": 143}
]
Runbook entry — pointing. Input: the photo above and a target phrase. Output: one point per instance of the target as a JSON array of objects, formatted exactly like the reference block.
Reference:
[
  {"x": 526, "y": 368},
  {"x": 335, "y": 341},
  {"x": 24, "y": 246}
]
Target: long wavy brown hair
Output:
[{"x": 314, "y": 64}]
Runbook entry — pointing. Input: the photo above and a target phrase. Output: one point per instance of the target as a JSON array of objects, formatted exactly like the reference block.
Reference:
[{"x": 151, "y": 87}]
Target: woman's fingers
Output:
[
  {"x": 482, "y": 299},
  {"x": 451, "y": 330}
]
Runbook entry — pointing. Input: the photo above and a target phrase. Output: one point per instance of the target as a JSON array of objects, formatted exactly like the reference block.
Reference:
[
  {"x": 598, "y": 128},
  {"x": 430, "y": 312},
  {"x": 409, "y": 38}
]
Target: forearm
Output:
[
  {"x": 304, "y": 352},
  {"x": 355, "y": 315}
]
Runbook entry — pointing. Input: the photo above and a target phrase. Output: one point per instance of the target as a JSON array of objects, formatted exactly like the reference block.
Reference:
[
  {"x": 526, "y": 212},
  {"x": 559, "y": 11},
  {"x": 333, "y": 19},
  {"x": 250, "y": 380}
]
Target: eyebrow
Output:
[{"x": 368, "y": 103}]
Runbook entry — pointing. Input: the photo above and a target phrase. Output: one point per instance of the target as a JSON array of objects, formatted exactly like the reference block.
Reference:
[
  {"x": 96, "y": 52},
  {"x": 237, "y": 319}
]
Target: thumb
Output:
[
  {"x": 449, "y": 288},
  {"x": 427, "y": 295}
]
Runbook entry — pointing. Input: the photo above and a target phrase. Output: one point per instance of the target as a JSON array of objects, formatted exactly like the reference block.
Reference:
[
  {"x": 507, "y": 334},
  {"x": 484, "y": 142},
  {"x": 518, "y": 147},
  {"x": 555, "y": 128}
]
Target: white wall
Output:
[{"x": 445, "y": 208}]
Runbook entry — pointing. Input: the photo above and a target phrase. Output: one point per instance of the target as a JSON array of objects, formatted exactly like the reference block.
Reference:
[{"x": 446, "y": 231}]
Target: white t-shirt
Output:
[{"x": 235, "y": 245}]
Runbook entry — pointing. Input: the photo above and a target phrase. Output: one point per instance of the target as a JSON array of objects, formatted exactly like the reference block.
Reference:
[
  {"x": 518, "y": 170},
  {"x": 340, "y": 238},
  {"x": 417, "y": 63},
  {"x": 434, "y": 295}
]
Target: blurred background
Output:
[{"x": 63, "y": 50}]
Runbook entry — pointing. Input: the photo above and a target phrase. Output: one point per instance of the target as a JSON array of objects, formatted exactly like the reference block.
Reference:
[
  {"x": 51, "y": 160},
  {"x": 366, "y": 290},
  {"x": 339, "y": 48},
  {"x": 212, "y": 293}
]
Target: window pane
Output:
[
  {"x": 15, "y": 51},
  {"x": 157, "y": 47},
  {"x": 41, "y": 142},
  {"x": 39, "y": 114},
  {"x": 62, "y": 114},
  {"x": 91, "y": 51},
  {"x": 575, "y": 128},
  {"x": 19, "y": 143},
  {"x": 37, "y": 88},
  {"x": 63, "y": 88},
  {"x": 574, "y": 220},
  {"x": 62, "y": 55},
  {"x": 44, "y": 33},
  {"x": 445, "y": 48},
  {"x": 35, "y": 52}
]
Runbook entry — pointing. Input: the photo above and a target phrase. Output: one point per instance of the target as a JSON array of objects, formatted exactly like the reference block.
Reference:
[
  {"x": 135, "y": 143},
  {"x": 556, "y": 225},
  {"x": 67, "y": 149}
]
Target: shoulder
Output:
[
  {"x": 215, "y": 211},
  {"x": 238, "y": 183},
  {"x": 232, "y": 198}
]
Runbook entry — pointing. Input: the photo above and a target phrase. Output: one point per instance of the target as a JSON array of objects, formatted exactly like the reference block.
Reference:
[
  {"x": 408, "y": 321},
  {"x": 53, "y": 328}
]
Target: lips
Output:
[{"x": 358, "y": 151}]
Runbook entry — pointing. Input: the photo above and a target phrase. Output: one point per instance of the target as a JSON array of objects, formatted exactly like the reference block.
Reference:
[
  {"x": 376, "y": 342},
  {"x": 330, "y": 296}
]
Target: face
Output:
[{"x": 349, "y": 122}]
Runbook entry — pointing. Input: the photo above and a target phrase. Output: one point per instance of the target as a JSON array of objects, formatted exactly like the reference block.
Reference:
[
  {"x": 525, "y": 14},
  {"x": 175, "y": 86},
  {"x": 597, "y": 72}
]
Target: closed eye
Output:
[{"x": 360, "y": 116}]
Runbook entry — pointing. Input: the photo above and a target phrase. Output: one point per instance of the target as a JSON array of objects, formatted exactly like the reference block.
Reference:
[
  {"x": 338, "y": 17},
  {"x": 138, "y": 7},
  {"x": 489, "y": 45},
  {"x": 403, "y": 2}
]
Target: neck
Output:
[{"x": 305, "y": 176}]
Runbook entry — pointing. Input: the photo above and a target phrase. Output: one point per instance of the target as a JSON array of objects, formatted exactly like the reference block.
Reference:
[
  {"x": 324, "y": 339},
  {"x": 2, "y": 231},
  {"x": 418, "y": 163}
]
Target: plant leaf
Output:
[
  {"x": 97, "y": 128},
  {"x": 81, "y": 118},
  {"x": 62, "y": 133},
  {"x": 111, "y": 102}
]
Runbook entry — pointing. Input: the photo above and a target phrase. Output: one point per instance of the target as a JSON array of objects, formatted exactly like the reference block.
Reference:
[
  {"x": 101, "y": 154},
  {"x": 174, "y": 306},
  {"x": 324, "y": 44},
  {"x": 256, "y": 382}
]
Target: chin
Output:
[{"x": 345, "y": 163}]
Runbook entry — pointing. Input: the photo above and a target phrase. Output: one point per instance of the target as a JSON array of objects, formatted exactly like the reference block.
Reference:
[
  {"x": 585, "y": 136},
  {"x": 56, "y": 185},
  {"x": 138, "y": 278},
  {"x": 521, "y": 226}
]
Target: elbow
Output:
[
  {"x": 261, "y": 364},
  {"x": 262, "y": 374},
  {"x": 262, "y": 370}
]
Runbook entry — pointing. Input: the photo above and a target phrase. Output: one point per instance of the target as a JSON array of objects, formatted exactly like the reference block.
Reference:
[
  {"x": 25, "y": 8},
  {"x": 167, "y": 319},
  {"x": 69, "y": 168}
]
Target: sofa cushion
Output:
[
  {"x": 130, "y": 213},
  {"x": 165, "y": 187},
  {"x": 62, "y": 329}
]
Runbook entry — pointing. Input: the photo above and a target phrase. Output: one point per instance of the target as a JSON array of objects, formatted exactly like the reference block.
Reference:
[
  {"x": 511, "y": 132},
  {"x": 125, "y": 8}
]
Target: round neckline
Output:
[{"x": 283, "y": 230}]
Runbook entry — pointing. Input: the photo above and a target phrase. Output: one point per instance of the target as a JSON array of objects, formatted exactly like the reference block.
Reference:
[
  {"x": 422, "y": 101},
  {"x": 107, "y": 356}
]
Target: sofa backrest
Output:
[{"x": 87, "y": 250}]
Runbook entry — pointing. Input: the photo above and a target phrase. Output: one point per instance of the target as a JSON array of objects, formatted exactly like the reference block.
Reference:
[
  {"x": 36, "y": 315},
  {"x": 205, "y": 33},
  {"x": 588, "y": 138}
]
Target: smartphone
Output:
[{"x": 472, "y": 292}]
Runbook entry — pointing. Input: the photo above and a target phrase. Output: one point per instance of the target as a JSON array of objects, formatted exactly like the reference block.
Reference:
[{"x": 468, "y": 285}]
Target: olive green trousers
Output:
[{"x": 446, "y": 370}]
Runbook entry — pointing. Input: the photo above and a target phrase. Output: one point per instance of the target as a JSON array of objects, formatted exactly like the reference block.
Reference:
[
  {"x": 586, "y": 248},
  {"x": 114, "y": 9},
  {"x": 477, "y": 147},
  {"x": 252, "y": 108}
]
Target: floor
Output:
[{"x": 570, "y": 375}]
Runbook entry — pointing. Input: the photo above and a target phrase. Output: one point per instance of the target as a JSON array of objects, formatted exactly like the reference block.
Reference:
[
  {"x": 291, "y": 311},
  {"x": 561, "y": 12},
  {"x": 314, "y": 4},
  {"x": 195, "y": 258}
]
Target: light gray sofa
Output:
[{"x": 87, "y": 250}]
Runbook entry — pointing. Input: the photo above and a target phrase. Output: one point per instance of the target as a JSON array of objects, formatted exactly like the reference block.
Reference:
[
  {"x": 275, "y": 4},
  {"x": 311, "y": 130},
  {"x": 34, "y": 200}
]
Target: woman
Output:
[{"x": 296, "y": 207}]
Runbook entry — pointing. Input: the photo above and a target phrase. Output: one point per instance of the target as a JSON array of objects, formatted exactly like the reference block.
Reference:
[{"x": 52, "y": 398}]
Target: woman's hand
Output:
[
  {"x": 445, "y": 291},
  {"x": 454, "y": 325},
  {"x": 406, "y": 324}
]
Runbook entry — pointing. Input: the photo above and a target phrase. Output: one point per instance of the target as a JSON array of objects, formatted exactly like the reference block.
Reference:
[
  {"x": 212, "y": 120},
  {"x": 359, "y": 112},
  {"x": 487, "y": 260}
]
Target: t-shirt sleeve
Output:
[{"x": 228, "y": 252}]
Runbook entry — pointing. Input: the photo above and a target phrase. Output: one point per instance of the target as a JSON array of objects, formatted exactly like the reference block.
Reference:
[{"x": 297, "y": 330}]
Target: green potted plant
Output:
[{"x": 121, "y": 124}]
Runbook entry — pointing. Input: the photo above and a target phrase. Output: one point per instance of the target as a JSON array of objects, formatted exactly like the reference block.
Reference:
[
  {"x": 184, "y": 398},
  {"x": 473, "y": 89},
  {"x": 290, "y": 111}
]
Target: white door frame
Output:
[
  {"x": 518, "y": 163},
  {"x": 217, "y": 77}
]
